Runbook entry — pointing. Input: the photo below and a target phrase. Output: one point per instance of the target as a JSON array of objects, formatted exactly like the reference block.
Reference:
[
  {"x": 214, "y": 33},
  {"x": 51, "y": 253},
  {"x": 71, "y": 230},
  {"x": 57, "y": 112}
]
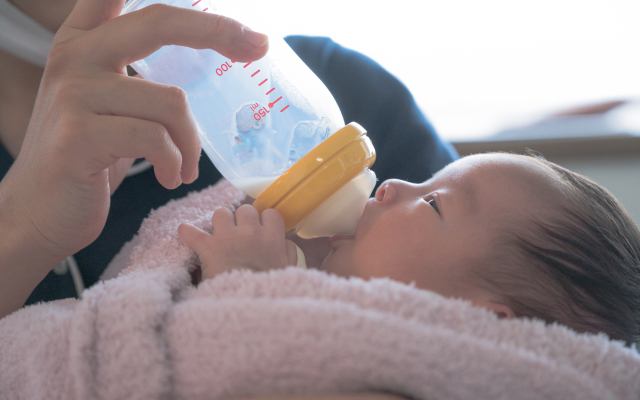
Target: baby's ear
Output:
[{"x": 501, "y": 310}]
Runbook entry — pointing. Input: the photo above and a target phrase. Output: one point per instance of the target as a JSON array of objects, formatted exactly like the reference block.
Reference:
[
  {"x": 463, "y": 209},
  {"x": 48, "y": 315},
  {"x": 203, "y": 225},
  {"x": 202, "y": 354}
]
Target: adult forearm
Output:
[{"x": 23, "y": 263}]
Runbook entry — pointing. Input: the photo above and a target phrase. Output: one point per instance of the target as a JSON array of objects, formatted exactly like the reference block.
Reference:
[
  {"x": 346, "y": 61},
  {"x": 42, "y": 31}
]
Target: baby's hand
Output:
[{"x": 247, "y": 240}]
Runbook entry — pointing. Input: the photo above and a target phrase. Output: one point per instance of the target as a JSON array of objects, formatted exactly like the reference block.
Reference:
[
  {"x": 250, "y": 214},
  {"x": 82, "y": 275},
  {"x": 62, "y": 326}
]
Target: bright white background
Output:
[{"x": 475, "y": 66}]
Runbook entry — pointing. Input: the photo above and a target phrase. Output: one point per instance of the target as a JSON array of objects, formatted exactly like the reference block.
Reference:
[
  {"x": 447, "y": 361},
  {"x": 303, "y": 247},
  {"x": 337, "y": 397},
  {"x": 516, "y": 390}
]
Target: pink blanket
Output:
[{"x": 149, "y": 334}]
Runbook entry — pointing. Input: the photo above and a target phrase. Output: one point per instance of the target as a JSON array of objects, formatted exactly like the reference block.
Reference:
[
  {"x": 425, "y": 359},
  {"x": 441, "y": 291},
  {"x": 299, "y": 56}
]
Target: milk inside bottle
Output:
[{"x": 272, "y": 129}]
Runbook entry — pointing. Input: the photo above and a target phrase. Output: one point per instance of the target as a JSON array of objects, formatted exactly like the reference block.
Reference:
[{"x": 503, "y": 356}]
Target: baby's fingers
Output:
[
  {"x": 272, "y": 219},
  {"x": 247, "y": 215},
  {"x": 193, "y": 237}
]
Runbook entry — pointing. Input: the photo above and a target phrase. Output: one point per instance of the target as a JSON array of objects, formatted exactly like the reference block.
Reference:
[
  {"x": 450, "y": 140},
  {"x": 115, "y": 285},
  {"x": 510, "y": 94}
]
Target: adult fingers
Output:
[
  {"x": 138, "y": 34},
  {"x": 193, "y": 237},
  {"x": 247, "y": 215},
  {"x": 117, "y": 173},
  {"x": 165, "y": 104},
  {"x": 88, "y": 14},
  {"x": 110, "y": 138}
]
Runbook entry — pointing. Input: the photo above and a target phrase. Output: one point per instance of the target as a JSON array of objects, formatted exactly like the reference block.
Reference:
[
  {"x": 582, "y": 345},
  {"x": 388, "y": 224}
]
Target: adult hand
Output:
[
  {"x": 90, "y": 121},
  {"x": 244, "y": 240}
]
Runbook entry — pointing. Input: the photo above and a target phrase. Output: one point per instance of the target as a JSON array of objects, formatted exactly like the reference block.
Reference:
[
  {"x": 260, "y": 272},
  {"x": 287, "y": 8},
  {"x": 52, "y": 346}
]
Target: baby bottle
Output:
[{"x": 271, "y": 128}]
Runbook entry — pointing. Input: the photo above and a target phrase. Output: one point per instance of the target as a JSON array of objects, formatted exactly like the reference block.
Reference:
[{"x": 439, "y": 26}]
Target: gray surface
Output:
[{"x": 620, "y": 175}]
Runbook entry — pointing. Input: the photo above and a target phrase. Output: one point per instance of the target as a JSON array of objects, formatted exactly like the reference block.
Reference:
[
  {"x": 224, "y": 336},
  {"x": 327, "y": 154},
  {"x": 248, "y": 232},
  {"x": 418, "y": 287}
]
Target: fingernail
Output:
[
  {"x": 193, "y": 177},
  {"x": 178, "y": 181},
  {"x": 254, "y": 38}
]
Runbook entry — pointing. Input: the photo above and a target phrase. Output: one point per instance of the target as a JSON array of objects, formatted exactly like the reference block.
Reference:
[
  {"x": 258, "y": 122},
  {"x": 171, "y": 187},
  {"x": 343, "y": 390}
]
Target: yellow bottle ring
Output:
[{"x": 318, "y": 175}]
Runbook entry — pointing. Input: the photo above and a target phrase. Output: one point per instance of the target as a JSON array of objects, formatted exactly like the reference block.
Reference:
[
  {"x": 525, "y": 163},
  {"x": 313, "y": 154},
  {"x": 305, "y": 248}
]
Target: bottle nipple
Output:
[{"x": 339, "y": 214}]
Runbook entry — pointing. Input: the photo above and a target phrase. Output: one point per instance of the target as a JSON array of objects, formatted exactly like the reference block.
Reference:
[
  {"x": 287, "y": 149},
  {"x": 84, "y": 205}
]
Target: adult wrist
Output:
[{"x": 24, "y": 260}]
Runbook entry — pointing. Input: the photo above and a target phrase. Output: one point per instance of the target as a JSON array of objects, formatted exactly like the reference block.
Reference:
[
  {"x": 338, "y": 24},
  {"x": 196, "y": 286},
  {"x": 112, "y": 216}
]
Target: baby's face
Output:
[{"x": 431, "y": 233}]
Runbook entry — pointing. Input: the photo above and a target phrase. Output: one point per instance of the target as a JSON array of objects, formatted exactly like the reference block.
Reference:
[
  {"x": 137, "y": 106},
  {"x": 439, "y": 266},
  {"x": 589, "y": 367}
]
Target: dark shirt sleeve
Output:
[{"x": 406, "y": 144}]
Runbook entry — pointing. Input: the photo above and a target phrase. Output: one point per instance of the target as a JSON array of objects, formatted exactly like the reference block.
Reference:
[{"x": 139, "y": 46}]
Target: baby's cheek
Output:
[
  {"x": 396, "y": 258},
  {"x": 336, "y": 263},
  {"x": 370, "y": 261}
]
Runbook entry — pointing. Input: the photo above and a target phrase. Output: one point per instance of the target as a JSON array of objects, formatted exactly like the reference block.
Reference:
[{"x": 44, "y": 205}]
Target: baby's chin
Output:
[
  {"x": 333, "y": 264},
  {"x": 326, "y": 264}
]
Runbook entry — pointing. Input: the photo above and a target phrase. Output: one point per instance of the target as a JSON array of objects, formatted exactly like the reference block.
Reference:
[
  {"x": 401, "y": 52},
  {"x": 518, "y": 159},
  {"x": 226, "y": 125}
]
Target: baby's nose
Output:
[
  {"x": 396, "y": 190},
  {"x": 390, "y": 190}
]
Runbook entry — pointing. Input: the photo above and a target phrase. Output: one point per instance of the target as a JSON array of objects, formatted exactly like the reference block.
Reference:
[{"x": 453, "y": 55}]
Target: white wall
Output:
[{"x": 476, "y": 66}]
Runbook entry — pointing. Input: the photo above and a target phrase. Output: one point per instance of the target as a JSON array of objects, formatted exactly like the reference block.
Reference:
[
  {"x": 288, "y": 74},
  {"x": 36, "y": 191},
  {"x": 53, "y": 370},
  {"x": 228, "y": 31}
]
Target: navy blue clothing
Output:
[{"x": 407, "y": 148}]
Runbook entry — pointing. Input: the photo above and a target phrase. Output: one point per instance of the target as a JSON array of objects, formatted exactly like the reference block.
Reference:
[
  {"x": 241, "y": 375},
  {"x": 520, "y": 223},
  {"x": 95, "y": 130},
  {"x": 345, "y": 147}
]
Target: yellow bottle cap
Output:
[{"x": 318, "y": 175}]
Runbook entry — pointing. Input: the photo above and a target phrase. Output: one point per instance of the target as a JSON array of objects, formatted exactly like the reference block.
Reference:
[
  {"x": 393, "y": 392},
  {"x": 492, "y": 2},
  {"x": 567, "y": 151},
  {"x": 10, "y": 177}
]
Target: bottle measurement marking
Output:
[
  {"x": 274, "y": 102},
  {"x": 226, "y": 66},
  {"x": 272, "y": 89},
  {"x": 260, "y": 113},
  {"x": 223, "y": 68}
]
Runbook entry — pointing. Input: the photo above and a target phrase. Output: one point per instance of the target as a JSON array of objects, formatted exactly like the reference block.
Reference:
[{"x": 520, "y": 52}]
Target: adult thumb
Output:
[{"x": 89, "y": 14}]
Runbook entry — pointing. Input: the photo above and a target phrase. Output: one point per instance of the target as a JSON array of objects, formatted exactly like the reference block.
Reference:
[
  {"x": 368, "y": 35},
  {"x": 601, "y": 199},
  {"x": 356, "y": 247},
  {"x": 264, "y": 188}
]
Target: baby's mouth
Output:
[
  {"x": 378, "y": 198},
  {"x": 333, "y": 240}
]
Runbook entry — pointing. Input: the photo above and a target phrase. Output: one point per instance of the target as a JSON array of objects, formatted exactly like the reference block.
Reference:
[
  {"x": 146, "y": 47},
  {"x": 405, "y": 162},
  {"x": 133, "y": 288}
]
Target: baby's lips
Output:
[{"x": 336, "y": 238}]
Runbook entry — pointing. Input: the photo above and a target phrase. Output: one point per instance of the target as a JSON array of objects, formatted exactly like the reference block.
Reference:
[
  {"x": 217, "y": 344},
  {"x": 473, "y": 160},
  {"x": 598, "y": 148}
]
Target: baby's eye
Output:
[{"x": 432, "y": 203}]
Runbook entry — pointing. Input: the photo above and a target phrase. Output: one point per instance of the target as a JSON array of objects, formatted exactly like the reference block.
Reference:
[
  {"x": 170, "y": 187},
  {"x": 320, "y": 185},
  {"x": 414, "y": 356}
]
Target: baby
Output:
[{"x": 517, "y": 235}]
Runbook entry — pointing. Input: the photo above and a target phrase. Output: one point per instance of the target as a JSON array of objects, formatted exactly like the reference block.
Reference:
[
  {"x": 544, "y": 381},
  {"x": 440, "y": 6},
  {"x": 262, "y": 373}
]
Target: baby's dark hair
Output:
[{"x": 578, "y": 264}]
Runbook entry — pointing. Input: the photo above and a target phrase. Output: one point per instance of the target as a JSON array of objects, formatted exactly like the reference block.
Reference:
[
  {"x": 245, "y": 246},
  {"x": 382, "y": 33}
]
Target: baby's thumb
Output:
[
  {"x": 192, "y": 236},
  {"x": 292, "y": 253}
]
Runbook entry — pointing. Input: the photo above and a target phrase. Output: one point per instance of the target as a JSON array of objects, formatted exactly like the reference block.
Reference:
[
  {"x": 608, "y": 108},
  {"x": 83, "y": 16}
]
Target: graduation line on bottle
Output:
[{"x": 262, "y": 83}]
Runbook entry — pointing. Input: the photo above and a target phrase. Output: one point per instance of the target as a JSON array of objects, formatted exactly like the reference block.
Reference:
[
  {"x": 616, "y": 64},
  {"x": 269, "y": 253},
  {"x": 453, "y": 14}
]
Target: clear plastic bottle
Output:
[{"x": 256, "y": 120}]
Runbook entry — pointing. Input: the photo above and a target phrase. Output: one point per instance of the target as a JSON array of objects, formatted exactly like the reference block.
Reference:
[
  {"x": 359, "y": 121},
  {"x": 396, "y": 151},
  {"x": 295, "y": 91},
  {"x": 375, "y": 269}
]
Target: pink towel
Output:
[{"x": 149, "y": 334}]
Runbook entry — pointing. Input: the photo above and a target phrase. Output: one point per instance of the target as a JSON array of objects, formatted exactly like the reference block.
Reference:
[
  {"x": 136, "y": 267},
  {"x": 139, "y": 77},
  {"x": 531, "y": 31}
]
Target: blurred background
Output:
[{"x": 558, "y": 76}]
